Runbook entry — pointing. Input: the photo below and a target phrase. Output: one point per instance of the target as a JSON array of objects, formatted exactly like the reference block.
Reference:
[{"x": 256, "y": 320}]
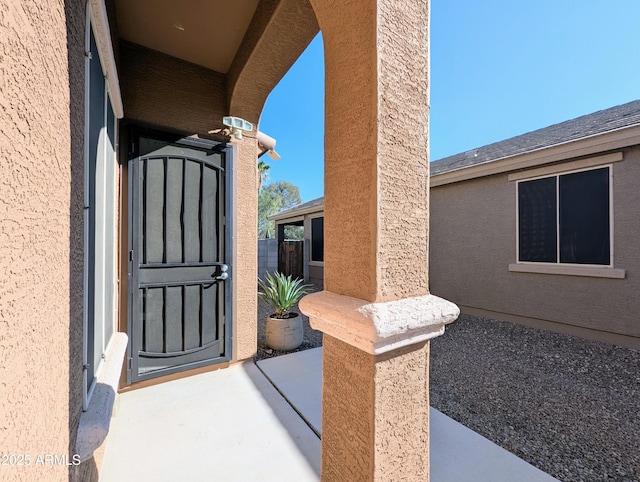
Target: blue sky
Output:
[{"x": 498, "y": 69}]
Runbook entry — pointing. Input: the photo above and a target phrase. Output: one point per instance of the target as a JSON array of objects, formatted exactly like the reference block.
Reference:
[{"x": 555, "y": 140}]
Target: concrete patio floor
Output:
[{"x": 235, "y": 425}]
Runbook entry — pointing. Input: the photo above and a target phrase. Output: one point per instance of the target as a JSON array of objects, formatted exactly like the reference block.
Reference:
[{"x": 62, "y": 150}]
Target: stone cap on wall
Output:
[{"x": 378, "y": 328}]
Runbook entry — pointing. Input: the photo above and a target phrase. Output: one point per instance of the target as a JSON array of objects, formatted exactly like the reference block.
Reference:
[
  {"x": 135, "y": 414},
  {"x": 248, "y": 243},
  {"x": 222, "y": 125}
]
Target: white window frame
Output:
[
  {"x": 106, "y": 263},
  {"x": 573, "y": 269}
]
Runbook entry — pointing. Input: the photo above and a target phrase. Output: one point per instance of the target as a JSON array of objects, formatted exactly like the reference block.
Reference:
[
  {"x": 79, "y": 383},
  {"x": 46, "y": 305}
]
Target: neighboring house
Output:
[
  {"x": 541, "y": 229},
  {"x": 128, "y": 213},
  {"x": 310, "y": 215}
]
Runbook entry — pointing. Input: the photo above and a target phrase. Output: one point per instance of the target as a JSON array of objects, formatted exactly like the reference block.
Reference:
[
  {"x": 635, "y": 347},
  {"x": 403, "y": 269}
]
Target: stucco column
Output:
[
  {"x": 376, "y": 311},
  {"x": 245, "y": 246}
]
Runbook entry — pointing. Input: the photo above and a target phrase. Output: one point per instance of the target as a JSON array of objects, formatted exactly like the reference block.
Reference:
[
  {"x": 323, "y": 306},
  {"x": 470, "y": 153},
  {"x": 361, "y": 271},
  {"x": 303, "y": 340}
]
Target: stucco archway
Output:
[
  {"x": 376, "y": 311},
  {"x": 279, "y": 32}
]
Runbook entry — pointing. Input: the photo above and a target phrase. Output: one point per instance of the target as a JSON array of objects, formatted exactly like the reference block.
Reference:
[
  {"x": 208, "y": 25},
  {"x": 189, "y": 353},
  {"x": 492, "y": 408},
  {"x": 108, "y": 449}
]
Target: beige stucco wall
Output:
[
  {"x": 473, "y": 240},
  {"x": 279, "y": 31},
  {"x": 375, "y": 410},
  {"x": 245, "y": 272},
  {"x": 376, "y": 155},
  {"x": 402, "y": 381},
  {"x": 168, "y": 93},
  {"x": 347, "y": 388},
  {"x": 365, "y": 401},
  {"x": 41, "y": 231}
]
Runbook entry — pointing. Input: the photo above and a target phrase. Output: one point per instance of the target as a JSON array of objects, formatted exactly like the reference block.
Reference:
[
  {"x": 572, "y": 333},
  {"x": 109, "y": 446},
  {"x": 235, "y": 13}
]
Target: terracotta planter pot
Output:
[{"x": 285, "y": 333}]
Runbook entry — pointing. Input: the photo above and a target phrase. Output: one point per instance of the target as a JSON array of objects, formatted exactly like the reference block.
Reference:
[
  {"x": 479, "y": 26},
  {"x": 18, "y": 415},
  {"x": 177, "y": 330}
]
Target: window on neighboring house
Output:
[
  {"x": 566, "y": 218},
  {"x": 317, "y": 239}
]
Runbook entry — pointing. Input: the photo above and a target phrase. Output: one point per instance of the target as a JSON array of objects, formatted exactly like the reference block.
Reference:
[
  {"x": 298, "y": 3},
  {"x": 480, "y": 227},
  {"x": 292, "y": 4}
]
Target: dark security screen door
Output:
[{"x": 179, "y": 273}]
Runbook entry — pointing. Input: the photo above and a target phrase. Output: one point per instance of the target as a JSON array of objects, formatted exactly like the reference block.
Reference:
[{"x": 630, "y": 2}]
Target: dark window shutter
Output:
[
  {"x": 584, "y": 217},
  {"x": 537, "y": 220}
]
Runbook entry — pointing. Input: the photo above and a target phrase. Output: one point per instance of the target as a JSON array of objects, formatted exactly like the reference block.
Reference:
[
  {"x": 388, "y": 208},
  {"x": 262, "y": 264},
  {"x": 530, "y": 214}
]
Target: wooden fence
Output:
[{"x": 290, "y": 258}]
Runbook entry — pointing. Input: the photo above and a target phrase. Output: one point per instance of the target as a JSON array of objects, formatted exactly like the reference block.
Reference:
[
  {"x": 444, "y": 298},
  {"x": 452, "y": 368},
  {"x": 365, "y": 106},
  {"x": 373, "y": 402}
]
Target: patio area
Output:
[{"x": 262, "y": 421}]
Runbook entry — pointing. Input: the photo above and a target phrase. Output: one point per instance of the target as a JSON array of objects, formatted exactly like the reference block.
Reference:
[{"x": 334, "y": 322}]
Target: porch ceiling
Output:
[{"x": 203, "y": 32}]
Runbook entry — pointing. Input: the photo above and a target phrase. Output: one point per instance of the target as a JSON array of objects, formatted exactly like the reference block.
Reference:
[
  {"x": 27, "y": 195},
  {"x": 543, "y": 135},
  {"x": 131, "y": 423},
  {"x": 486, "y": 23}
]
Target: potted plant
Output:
[{"x": 284, "y": 327}]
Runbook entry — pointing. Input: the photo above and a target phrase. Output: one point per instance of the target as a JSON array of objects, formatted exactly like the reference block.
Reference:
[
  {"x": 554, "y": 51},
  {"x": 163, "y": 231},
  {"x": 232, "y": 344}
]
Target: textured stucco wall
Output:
[
  {"x": 375, "y": 411},
  {"x": 347, "y": 389},
  {"x": 245, "y": 272},
  {"x": 167, "y": 92},
  {"x": 473, "y": 240},
  {"x": 376, "y": 155},
  {"x": 279, "y": 32},
  {"x": 402, "y": 409},
  {"x": 41, "y": 231}
]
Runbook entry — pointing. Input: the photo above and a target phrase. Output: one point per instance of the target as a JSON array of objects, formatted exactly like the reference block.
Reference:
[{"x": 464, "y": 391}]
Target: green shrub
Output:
[{"x": 281, "y": 292}]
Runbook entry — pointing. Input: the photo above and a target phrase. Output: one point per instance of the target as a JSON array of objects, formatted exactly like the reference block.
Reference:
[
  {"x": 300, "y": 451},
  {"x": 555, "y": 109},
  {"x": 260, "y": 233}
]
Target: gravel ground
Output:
[
  {"x": 568, "y": 406},
  {"x": 312, "y": 338}
]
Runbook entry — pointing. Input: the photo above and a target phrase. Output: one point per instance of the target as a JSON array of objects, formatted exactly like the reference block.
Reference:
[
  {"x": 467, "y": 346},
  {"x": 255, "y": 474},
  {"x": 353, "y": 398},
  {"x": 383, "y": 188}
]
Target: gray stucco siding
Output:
[
  {"x": 316, "y": 275},
  {"x": 473, "y": 241}
]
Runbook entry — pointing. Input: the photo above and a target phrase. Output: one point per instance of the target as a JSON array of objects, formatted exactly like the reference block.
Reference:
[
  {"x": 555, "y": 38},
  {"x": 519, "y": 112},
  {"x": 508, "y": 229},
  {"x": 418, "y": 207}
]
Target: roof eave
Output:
[
  {"x": 292, "y": 213},
  {"x": 616, "y": 139}
]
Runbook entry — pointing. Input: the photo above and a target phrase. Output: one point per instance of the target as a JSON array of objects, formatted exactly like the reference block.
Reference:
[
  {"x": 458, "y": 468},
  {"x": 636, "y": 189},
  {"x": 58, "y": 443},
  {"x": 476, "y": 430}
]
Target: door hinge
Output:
[
  {"x": 129, "y": 363},
  {"x": 88, "y": 55},
  {"x": 131, "y": 255}
]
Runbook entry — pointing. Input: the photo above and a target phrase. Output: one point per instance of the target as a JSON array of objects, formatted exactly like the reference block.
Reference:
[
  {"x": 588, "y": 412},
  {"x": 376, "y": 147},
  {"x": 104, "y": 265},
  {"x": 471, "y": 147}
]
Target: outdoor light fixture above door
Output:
[{"x": 237, "y": 125}]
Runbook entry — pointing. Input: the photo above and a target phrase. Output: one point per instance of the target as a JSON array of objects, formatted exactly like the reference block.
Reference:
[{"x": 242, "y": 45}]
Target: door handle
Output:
[{"x": 222, "y": 273}]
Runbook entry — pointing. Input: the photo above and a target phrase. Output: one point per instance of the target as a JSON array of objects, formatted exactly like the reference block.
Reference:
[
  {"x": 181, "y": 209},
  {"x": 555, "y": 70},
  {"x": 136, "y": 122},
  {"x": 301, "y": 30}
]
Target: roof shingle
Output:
[{"x": 619, "y": 117}]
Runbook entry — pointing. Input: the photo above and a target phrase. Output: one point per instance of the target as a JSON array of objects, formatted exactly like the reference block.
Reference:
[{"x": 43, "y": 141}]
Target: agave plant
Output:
[{"x": 282, "y": 292}]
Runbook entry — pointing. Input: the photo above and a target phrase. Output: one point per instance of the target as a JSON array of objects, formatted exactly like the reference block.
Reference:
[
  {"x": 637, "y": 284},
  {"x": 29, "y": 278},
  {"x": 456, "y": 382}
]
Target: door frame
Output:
[{"x": 133, "y": 132}]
